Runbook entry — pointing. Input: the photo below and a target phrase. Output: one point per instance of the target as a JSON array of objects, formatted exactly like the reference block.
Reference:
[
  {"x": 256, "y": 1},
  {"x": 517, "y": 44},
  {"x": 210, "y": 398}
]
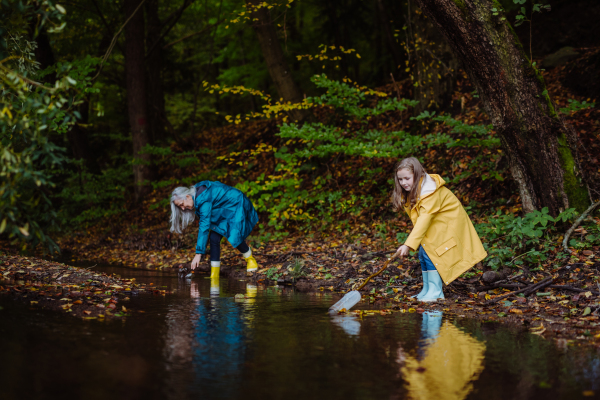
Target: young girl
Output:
[
  {"x": 222, "y": 210},
  {"x": 443, "y": 233}
]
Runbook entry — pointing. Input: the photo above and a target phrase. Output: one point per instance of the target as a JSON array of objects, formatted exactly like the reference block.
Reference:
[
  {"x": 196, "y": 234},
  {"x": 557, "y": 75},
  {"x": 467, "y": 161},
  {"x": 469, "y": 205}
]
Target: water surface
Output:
[{"x": 201, "y": 342}]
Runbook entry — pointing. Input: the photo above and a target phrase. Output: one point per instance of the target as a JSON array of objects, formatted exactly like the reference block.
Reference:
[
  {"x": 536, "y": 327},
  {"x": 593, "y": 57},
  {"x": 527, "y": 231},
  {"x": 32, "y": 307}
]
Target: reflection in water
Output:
[
  {"x": 447, "y": 362},
  {"x": 219, "y": 346},
  {"x": 348, "y": 322},
  {"x": 206, "y": 340}
]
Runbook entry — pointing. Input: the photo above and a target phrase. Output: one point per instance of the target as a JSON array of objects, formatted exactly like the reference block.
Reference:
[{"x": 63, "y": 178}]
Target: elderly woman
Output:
[{"x": 223, "y": 211}]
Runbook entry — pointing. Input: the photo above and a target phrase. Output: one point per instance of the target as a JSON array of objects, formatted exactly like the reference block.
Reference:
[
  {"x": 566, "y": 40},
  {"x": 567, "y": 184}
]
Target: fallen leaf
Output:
[
  {"x": 77, "y": 302},
  {"x": 87, "y": 312},
  {"x": 516, "y": 311}
]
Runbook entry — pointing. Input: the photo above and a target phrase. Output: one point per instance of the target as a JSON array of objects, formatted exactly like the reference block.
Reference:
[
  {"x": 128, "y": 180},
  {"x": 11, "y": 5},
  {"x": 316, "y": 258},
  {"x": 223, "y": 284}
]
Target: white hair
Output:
[{"x": 180, "y": 219}]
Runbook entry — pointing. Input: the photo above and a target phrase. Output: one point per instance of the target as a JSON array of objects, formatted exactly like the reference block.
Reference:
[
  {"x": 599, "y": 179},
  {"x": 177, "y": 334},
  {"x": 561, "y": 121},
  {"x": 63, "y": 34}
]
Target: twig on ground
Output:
[
  {"x": 574, "y": 289},
  {"x": 576, "y": 224},
  {"x": 528, "y": 290}
]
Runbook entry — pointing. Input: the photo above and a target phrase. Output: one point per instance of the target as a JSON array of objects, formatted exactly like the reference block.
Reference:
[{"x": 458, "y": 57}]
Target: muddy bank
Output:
[{"x": 80, "y": 292}]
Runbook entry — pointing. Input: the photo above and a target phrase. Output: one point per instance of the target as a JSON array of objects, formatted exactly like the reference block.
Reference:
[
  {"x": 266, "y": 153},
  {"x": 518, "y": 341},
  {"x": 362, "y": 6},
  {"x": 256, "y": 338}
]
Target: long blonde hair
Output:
[{"x": 400, "y": 196}]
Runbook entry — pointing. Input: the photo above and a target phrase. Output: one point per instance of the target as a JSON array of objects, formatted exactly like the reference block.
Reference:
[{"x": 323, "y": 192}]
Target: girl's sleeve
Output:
[
  {"x": 427, "y": 211},
  {"x": 203, "y": 226}
]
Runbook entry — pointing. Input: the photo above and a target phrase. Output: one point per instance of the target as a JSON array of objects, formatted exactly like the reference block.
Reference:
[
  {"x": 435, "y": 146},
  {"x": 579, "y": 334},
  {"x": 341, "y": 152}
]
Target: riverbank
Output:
[
  {"x": 562, "y": 301},
  {"x": 81, "y": 292}
]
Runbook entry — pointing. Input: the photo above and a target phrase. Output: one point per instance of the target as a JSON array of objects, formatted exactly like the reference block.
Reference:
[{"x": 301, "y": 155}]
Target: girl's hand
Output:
[
  {"x": 403, "y": 250},
  {"x": 196, "y": 261}
]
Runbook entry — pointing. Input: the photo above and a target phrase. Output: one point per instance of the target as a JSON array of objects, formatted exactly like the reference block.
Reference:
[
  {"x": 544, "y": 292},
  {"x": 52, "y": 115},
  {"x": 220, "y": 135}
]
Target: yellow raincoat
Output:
[
  {"x": 451, "y": 364},
  {"x": 443, "y": 228}
]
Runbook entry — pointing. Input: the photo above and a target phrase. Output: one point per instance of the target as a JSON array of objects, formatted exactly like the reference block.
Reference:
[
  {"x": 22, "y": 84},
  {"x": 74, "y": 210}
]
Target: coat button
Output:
[{"x": 446, "y": 248}]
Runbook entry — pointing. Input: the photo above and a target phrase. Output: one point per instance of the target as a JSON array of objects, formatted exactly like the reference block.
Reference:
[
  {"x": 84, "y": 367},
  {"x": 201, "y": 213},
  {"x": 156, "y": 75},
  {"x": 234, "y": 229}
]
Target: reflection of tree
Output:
[{"x": 449, "y": 361}]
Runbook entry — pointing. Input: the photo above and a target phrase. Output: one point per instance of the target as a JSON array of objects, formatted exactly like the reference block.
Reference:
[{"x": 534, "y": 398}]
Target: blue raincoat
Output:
[{"x": 225, "y": 210}]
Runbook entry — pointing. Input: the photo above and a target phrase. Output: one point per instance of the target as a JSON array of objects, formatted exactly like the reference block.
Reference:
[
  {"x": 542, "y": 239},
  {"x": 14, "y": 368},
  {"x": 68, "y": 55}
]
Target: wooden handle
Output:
[{"x": 378, "y": 272}]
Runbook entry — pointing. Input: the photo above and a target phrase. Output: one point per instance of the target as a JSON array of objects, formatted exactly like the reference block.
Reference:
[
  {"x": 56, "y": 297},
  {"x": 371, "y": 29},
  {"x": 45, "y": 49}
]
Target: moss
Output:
[
  {"x": 462, "y": 6},
  {"x": 577, "y": 194}
]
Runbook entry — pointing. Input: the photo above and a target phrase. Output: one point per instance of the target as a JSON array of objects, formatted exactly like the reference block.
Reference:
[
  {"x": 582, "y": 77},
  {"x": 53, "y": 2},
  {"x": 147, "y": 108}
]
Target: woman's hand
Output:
[
  {"x": 403, "y": 250},
  {"x": 196, "y": 261}
]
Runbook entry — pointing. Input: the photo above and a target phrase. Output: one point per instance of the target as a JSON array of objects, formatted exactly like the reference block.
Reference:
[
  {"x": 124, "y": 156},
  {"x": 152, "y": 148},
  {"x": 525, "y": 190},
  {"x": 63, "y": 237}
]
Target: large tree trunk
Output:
[
  {"x": 540, "y": 146},
  {"x": 276, "y": 64},
  {"x": 154, "y": 82},
  {"x": 136, "y": 94}
]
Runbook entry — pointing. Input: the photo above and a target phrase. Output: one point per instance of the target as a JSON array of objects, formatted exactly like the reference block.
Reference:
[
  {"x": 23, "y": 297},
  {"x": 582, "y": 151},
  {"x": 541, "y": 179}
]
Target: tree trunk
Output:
[
  {"x": 540, "y": 146},
  {"x": 136, "y": 94},
  {"x": 394, "y": 47},
  {"x": 275, "y": 59},
  {"x": 154, "y": 82}
]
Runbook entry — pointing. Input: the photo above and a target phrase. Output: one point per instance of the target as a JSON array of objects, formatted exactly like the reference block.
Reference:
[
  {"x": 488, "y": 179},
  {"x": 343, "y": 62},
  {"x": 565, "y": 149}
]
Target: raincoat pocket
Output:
[{"x": 445, "y": 247}]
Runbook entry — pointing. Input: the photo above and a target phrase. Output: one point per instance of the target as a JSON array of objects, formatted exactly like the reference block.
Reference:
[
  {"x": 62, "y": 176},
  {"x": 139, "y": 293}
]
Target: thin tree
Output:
[
  {"x": 278, "y": 68},
  {"x": 136, "y": 93}
]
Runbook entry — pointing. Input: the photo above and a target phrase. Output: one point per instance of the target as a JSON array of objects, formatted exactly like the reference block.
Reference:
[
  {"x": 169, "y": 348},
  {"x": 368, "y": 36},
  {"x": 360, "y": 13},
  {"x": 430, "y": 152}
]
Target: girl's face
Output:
[
  {"x": 185, "y": 204},
  {"x": 405, "y": 178}
]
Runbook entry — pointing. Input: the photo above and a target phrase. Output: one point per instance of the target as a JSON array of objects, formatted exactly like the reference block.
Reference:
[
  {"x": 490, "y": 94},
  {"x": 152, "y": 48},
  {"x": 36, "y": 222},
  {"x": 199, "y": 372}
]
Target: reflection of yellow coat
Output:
[
  {"x": 450, "y": 364},
  {"x": 443, "y": 228}
]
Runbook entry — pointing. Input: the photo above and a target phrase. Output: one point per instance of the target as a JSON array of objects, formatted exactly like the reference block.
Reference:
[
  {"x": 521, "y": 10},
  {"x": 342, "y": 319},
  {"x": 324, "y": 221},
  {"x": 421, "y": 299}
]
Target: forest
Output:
[{"x": 306, "y": 107}]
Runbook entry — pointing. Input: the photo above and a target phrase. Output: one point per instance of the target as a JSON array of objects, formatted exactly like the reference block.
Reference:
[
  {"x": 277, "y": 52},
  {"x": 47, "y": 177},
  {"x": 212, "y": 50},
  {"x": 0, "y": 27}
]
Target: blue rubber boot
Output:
[
  {"x": 432, "y": 321},
  {"x": 435, "y": 287},
  {"x": 425, "y": 286}
]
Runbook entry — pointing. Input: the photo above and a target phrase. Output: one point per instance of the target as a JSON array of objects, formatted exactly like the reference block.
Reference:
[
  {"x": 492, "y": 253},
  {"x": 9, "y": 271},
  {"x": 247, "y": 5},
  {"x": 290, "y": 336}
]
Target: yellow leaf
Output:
[{"x": 24, "y": 230}]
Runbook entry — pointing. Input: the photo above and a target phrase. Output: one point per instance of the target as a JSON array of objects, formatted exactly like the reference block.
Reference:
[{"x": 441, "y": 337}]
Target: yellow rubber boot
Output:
[
  {"x": 251, "y": 264},
  {"x": 215, "y": 268}
]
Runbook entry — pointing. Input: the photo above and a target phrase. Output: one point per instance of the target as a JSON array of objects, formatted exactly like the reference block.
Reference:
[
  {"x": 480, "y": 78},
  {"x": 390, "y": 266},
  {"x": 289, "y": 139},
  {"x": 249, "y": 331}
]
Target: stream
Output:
[{"x": 201, "y": 342}]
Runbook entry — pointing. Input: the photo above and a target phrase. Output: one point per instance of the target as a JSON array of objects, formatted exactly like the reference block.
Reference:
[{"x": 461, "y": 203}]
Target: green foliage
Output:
[
  {"x": 297, "y": 266},
  {"x": 512, "y": 240},
  {"x": 522, "y": 13},
  {"x": 88, "y": 198},
  {"x": 30, "y": 114},
  {"x": 273, "y": 274},
  {"x": 291, "y": 194},
  {"x": 575, "y": 106}
]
